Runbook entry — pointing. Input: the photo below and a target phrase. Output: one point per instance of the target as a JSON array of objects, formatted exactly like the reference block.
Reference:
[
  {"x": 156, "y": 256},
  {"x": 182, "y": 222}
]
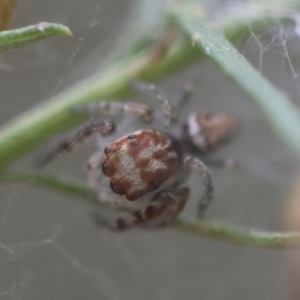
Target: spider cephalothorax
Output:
[
  {"x": 150, "y": 166},
  {"x": 206, "y": 130}
]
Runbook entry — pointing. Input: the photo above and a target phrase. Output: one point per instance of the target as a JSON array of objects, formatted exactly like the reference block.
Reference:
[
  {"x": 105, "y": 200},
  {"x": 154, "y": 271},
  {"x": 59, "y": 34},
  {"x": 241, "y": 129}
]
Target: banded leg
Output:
[
  {"x": 169, "y": 111},
  {"x": 208, "y": 189},
  {"x": 187, "y": 93},
  {"x": 159, "y": 204},
  {"x": 103, "y": 127},
  {"x": 117, "y": 108},
  {"x": 181, "y": 195}
]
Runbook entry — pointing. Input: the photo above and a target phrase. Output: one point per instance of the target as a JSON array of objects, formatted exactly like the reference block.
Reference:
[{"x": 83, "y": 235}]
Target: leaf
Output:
[{"x": 16, "y": 38}]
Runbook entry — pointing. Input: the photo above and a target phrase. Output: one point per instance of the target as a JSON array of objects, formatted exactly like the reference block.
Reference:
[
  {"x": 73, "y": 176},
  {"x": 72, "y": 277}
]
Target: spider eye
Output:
[
  {"x": 116, "y": 188},
  {"x": 105, "y": 169},
  {"x": 154, "y": 185},
  {"x": 131, "y": 136}
]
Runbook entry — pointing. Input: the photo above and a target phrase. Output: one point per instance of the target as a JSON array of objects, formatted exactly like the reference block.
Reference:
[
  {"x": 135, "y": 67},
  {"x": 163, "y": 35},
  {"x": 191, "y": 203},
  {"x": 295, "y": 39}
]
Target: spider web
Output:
[{"x": 50, "y": 248}]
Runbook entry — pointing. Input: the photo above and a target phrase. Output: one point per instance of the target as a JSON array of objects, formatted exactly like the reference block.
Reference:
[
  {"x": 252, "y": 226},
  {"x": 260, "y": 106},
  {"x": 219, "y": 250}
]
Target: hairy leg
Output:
[
  {"x": 163, "y": 208},
  {"x": 197, "y": 165},
  {"x": 181, "y": 194},
  {"x": 137, "y": 217},
  {"x": 114, "y": 108},
  {"x": 170, "y": 114},
  {"x": 186, "y": 94},
  {"x": 103, "y": 127}
]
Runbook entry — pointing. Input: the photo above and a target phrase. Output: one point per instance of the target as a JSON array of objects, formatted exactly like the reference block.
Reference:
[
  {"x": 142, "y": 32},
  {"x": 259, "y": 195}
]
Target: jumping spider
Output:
[{"x": 148, "y": 168}]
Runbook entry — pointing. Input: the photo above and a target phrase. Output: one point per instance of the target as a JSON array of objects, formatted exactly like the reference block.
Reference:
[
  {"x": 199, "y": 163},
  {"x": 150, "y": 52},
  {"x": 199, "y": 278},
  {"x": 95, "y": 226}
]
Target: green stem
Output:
[
  {"x": 233, "y": 235},
  {"x": 82, "y": 192},
  {"x": 213, "y": 230},
  {"x": 16, "y": 38}
]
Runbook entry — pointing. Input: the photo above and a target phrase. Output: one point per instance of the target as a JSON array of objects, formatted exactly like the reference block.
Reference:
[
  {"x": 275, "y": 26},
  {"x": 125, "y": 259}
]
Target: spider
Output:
[{"x": 149, "y": 167}]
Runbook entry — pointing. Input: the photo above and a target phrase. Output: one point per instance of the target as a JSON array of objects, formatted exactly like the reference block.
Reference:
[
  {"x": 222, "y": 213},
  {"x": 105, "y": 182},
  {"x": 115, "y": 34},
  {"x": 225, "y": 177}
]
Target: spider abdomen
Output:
[{"x": 139, "y": 163}]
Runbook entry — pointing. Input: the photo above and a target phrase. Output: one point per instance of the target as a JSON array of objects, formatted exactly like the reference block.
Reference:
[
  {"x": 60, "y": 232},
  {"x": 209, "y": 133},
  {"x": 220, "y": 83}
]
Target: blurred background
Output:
[{"x": 49, "y": 246}]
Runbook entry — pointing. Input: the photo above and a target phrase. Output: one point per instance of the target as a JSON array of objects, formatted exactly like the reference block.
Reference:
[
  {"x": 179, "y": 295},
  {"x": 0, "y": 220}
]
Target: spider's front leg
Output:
[
  {"x": 170, "y": 113},
  {"x": 114, "y": 108},
  {"x": 197, "y": 165},
  {"x": 103, "y": 127},
  {"x": 165, "y": 204}
]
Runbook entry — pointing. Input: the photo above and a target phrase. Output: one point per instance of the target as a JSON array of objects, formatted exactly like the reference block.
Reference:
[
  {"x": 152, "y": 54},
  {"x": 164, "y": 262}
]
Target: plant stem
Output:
[
  {"x": 17, "y": 38},
  {"x": 54, "y": 183},
  {"x": 234, "y": 235}
]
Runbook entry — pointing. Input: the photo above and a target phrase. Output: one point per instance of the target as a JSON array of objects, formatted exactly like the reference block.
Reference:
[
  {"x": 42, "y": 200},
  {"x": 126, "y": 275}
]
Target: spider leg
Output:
[
  {"x": 180, "y": 195},
  {"x": 170, "y": 114},
  {"x": 160, "y": 203},
  {"x": 186, "y": 95},
  {"x": 197, "y": 165},
  {"x": 93, "y": 168},
  {"x": 103, "y": 127},
  {"x": 117, "y": 108},
  {"x": 160, "y": 212}
]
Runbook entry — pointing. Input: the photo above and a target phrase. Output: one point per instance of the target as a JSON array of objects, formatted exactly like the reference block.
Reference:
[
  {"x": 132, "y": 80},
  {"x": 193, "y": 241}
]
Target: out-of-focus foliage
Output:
[{"x": 7, "y": 8}]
